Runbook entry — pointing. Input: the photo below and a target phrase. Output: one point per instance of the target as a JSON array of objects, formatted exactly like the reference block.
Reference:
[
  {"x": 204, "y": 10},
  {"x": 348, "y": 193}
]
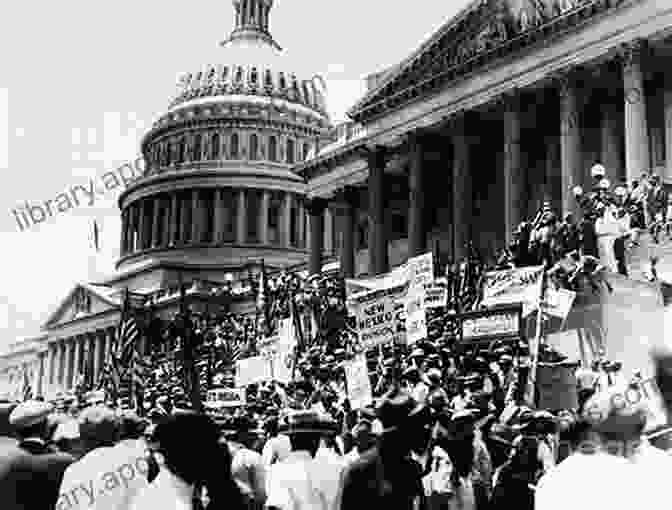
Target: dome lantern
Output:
[{"x": 252, "y": 21}]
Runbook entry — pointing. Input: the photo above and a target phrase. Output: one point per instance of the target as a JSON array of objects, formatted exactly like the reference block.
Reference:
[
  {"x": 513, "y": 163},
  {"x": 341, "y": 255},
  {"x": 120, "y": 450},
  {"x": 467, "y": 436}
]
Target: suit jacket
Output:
[
  {"x": 366, "y": 483},
  {"x": 30, "y": 475}
]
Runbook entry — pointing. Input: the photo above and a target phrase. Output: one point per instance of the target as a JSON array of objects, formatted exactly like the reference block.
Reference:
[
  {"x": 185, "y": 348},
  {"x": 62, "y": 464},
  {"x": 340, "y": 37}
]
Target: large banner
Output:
[
  {"x": 512, "y": 286},
  {"x": 379, "y": 315}
]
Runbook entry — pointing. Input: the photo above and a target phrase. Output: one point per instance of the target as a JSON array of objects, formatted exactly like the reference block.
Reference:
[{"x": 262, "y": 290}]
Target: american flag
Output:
[
  {"x": 262, "y": 303},
  {"x": 231, "y": 352}
]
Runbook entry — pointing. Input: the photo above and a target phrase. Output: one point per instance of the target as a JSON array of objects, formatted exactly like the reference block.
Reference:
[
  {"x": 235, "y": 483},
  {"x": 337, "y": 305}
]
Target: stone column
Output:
[
  {"x": 62, "y": 363},
  {"x": 156, "y": 223},
  {"x": 97, "y": 356},
  {"x": 241, "y": 227},
  {"x": 346, "y": 201},
  {"x": 196, "y": 217},
  {"x": 637, "y": 157},
  {"x": 514, "y": 178},
  {"x": 78, "y": 347},
  {"x": 611, "y": 142},
  {"x": 185, "y": 230},
  {"x": 142, "y": 239},
  {"x": 174, "y": 219},
  {"x": 263, "y": 216},
  {"x": 109, "y": 342},
  {"x": 667, "y": 98},
  {"x": 91, "y": 356},
  {"x": 55, "y": 373},
  {"x": 287, "y": 220},
  {"x": 417, "y": 234},
  {"x": 303, "y": 219},
  {"x": 50, "y": 365},
  {"x": 38, "y": 375},
  {"x": 378, "y": 258},
  {"x": 165, "y": 227},
  {"x": 570, "y": 142},
  {"x": 462, "y": 190},
  {"x": 124, "y": 226},
  {"x": 315, "y": 208},
  {"x": 69, "y": 362},
  {"x": 218, "y": 224},
  {"x": 328, "y": 231}
]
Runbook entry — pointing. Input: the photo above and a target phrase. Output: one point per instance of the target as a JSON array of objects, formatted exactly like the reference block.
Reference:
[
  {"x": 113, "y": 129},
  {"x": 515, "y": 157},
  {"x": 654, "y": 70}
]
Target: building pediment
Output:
[
  {"x": 483, "y": 32},
  {"x": 83, "y": 301}
]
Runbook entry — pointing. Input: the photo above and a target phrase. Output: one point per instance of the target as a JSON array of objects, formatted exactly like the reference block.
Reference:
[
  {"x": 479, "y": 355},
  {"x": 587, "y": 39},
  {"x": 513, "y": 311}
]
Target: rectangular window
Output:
[{"x": 274, "y": 216}]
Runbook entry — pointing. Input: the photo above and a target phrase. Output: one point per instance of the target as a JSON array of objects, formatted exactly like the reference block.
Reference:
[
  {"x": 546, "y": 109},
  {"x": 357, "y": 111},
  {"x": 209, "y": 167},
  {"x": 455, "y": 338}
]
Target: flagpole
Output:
[{"x": 537, "y": 340}]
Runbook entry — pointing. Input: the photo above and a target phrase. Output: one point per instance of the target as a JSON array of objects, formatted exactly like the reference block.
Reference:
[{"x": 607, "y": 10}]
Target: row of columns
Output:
[
  {"x": 177, "y": 218},
  {"x": 572, "y": 169},
  {"x": 66, "y": 358}
]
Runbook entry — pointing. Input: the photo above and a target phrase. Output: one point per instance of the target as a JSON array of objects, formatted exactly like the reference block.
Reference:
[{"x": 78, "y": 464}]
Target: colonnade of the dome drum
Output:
[
  {"x": 214, "y": 145},
  {"x": 214, "y": 216}
]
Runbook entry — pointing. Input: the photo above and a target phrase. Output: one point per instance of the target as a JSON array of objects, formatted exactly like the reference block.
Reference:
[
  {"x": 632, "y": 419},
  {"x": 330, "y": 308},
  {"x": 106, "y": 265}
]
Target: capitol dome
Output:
[{"x": 218, "y": 188}]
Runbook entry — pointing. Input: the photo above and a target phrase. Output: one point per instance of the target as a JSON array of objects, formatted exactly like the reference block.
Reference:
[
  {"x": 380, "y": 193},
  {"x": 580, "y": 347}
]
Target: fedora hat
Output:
[
  {"x": 308, "y": 422},
  {"x": 396, "y": 409}
]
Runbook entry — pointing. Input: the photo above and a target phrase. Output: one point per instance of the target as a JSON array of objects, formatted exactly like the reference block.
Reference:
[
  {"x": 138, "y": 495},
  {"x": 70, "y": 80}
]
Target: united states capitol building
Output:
[{"x": 506, "y": 106}]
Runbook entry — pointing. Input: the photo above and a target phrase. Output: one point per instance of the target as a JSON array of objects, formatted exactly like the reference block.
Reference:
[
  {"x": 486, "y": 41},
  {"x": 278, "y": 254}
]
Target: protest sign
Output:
[
  {"x": 359, "y": 384},
  {"x": 286, "y": 332},
  {"x": 252, "y": 370},
  {"x": 558, "y": 302},
  {"x": 378, "y": 316},
  {"x": 269, "y": 345},
  {"x": 416, "y": 324},
  {"x": 520, "y": 285},
  {"x": 420, "y": 271},
  {"x": 436, "y": 295}
]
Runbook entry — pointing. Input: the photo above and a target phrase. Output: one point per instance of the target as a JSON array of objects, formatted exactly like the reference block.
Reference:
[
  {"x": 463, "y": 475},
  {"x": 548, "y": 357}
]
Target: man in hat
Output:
[
  {"x": 304, "y": 481},
  {"x": 363, "y": 437},
  {"x": 112, "y": 475},
  {"x": 385, "y": 476},
  {"x": 247, "y": 466},
  {"x": 30, "y": 471},
  {"x": 418, "y": 389}
]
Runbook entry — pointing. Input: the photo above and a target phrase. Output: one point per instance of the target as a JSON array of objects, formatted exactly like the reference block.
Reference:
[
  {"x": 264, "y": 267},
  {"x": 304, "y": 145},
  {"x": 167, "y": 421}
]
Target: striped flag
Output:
[
  {"x": 231, "y": 352},
  {"x": 263, "y": 326}
]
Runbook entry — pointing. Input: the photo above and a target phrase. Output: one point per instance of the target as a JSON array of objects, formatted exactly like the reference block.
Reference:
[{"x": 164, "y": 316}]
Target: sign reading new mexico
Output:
[{"x": 379, "y": 315}]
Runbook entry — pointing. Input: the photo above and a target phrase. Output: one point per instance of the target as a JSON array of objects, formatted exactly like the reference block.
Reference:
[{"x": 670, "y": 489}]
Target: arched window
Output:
[
  {"x": 254, "y": 76},
  {"x": 306, "y": 149},
  {"x": 283, "y": 82},
  {"x": 166, "y": 153},
  {"x": 254, "y": 147},
  {"x": 268, "y": 79},
  {"x": 234, "y": 146},
  {"x": 272, "y": 149},
  {"x": 198, "y": 148},
  {"x": 290, "y": 151},
  {"x": 215, "y": 146}
]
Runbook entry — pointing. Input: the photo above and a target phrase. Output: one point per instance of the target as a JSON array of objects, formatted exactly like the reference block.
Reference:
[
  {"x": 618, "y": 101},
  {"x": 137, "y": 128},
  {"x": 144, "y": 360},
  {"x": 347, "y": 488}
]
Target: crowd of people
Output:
[
  {"x": 447, "y": 425},
  {"x": 432, "y": 440}
]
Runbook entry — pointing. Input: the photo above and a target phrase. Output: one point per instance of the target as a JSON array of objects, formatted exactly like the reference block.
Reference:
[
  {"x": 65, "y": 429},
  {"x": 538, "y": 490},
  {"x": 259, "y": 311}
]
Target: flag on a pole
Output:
[{"x": 262, "y": 318}]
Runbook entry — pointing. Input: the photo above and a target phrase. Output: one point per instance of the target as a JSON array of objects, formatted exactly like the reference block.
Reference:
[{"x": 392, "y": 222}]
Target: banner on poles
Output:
[
  {"x": 520, "y": 285},
  {"x": 378, "y": 315},
  {"x": 436, "y": 295},
  {"x": 487, "y": 325},
  {"x": 252, "y": 370},
  {"x": 359, "y": 384}
]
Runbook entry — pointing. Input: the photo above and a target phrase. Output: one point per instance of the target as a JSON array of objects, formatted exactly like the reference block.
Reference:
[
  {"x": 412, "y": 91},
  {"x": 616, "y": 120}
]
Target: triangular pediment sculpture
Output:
[{"x": 83, "y": 301}]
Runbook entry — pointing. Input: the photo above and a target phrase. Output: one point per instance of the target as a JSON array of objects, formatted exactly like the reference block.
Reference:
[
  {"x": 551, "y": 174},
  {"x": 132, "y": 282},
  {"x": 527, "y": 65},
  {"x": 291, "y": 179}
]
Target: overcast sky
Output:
[{"x": 81, "y": 81}]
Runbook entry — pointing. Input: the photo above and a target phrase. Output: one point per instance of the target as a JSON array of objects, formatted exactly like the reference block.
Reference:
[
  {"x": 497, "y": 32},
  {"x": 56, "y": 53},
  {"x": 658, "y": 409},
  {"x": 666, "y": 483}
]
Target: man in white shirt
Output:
[
  {"x": 302, "y": 481},
  {"x": 108, "y": 476}
]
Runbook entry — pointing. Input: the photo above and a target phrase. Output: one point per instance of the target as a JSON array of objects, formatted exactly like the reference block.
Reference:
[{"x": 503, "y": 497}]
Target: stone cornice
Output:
[{"x": 392, "y": 95}]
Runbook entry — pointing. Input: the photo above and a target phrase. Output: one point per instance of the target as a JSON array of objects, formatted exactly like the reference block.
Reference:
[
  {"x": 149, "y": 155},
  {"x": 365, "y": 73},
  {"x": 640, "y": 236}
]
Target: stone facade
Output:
[
  {"x": 498, "y": 111},
  {"x": 22, "y": 367}
]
